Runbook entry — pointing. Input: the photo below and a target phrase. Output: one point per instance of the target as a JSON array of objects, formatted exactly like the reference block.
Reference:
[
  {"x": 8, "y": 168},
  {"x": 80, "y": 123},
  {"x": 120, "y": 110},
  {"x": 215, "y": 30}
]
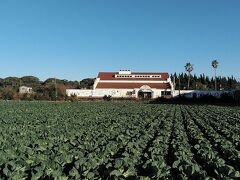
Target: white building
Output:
[
  {"x": 25, "y": 90},
  {"x": 127, "y": 84}
]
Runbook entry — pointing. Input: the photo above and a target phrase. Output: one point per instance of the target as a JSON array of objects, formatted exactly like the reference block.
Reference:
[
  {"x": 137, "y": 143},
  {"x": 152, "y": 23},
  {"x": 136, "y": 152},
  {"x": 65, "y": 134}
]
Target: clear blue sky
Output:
[{"x": 75, "y": 39}]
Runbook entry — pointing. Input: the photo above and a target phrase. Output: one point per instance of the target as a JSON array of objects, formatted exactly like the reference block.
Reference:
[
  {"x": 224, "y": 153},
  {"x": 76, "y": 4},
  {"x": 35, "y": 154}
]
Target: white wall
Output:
[
  {"x": 79, "y": 92},
  {"x": 157, "y": 93},
  {"x": 189, "y": 93},
  {"x": 115, "y": 93},
  {"x": 118, "y": 93}
]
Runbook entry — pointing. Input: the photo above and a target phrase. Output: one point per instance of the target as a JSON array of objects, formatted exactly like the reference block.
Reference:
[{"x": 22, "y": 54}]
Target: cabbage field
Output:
[{"x": 118, "y": 140}]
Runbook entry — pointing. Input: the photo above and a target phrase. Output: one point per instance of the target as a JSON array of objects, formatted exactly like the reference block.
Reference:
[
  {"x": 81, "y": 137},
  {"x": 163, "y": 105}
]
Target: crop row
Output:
[{"x": 107, "y": 140}]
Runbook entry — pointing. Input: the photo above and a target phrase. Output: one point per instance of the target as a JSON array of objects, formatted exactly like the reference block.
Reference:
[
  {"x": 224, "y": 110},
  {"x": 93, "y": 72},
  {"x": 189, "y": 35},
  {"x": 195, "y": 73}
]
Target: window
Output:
[
  {"x": 156, "y": 76},
  {"x": 166, "y": 93},
  {"x": 129, "y": 93},
  {"x": 138, "y": 76},
  {"x": 123, "y": 76}
]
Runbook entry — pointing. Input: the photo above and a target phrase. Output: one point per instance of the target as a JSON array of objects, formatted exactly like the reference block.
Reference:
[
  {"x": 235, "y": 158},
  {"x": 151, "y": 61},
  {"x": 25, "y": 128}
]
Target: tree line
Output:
[
  {"x": 189, "y": 69},
  {"x": 55, "y": 89},
  {"x": 203, "y": 82},
  {"x": 50, "y": 89}
]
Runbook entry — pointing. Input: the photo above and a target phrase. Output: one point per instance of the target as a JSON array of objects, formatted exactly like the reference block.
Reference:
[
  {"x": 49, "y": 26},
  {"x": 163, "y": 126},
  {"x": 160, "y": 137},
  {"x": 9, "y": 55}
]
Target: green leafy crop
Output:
[{"x": 125, "y": 140}]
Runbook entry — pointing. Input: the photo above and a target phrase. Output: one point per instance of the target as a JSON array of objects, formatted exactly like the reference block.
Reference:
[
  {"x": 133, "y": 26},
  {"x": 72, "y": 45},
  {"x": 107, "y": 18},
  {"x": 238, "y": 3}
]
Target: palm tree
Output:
[
  {"x": 215, "y": 65},
  {"x": 189, "y": 69}
]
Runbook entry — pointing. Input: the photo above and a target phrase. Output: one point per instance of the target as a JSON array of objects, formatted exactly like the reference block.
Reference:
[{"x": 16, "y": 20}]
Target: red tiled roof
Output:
[
  {"x": 131, "y": 85},
  {"x": 110, "y": 76}
]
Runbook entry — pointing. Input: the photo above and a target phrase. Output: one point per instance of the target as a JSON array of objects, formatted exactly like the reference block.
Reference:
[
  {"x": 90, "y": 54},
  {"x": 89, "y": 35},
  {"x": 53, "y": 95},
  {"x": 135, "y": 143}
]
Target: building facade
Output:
[
  {"x": 127, "y": 84},
  {"x": 25, "y": 90}
]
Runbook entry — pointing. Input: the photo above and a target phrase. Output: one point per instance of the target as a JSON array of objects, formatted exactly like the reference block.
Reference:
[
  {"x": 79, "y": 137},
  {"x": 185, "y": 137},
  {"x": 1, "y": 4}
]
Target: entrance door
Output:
[{"x": 144, "y": 95}]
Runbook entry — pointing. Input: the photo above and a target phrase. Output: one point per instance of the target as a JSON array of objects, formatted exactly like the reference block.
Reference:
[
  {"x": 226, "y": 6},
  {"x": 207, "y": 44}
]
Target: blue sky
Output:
[{"x": 75, "y": 39}]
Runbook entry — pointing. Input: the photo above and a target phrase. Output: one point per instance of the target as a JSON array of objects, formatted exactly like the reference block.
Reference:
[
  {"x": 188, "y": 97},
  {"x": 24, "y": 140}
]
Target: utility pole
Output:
[
  {"x": 179, "y": 86},
  {"x": 174, "y": 85},
  {"x": 20, "y": 84},
  {"x": 238, "y": 83},
  {"x": 56, "y": 93},
  {"x": 216, "y": 79}
]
